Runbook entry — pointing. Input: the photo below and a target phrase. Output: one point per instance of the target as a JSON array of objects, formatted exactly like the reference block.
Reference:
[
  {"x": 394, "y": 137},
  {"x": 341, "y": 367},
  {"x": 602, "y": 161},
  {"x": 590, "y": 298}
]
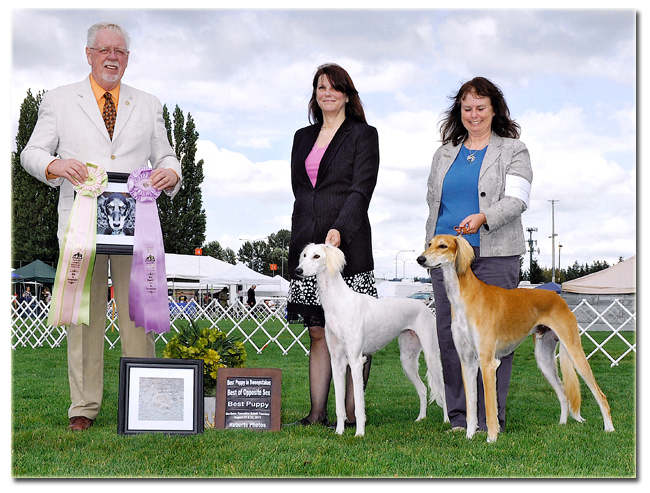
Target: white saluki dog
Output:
[
  {"x": 489, "y": 322},
  {"x": 357, "y": 325}
]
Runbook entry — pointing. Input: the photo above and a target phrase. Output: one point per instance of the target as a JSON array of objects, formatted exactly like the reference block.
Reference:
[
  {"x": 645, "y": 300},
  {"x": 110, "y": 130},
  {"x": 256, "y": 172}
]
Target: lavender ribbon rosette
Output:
[{"x": 148, "y": 301}]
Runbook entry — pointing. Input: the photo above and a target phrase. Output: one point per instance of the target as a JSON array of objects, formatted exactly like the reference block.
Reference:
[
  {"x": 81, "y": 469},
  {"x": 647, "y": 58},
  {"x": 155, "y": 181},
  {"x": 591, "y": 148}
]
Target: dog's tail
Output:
[
  {"x": 432, "y": 386},
  {"x": 571, "y": 383},
  {"x": 437, "y": 392}
]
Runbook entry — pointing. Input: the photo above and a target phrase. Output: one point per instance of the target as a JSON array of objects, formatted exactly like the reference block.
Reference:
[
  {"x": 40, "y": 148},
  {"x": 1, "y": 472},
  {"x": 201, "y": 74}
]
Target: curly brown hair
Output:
[{"x": 451, "y": 126}]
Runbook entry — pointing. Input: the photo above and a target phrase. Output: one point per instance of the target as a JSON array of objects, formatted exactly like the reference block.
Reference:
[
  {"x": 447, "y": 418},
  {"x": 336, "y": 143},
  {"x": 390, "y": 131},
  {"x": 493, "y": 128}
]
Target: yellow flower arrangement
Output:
[{"x": 213, "y": 346}]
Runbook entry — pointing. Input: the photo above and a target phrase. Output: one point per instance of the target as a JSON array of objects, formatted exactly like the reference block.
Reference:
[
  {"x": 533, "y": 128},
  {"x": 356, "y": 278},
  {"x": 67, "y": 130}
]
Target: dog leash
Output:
[{"x": 462, "y": 230}]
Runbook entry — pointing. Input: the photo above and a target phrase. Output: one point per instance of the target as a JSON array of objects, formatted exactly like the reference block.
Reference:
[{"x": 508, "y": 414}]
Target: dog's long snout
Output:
[{"x": 298, "y": 272}]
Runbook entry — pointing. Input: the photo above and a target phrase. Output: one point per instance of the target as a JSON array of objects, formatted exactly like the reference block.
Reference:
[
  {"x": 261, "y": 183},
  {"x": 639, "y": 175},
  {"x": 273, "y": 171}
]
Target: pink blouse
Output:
[{"x": 313, "y": 162}]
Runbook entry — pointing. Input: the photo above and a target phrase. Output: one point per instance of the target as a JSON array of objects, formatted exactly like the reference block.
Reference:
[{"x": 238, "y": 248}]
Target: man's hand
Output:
[
  {"x": 71, "y": 169},
  {"x": 162, "y": 178}
]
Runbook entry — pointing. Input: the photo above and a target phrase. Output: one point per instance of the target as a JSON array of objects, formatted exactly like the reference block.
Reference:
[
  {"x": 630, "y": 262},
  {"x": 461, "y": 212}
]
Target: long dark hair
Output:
[
  {"x": 342, "y": 82},
  {"x": 451, "y": 126}
]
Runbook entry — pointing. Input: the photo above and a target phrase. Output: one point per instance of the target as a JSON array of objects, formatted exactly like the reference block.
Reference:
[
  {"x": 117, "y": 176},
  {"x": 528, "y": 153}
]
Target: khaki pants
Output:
[{"x": 86, "y": 342}]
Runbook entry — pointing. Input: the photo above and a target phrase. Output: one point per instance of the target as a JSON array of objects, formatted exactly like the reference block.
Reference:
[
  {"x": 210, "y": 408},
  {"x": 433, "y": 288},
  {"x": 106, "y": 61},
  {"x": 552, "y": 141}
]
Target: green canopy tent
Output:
[{"x": 36, "y": 273}]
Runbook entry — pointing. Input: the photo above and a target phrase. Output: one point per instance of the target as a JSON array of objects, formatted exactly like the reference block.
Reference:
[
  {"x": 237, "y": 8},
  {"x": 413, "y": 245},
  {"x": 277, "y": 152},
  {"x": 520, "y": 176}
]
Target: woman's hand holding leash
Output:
[
  {"x": 471, "y": 224},
  {"x": 333, "y": 238}
]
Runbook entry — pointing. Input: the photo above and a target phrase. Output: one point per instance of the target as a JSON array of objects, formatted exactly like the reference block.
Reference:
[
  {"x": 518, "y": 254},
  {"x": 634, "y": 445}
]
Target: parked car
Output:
[{"x": 424, "y": 296}]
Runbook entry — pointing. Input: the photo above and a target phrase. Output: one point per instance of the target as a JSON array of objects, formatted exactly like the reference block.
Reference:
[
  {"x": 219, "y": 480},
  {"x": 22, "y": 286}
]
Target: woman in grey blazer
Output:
[
  {"x": 334, "y": 165},
  {"x": 480, "y": 179}
]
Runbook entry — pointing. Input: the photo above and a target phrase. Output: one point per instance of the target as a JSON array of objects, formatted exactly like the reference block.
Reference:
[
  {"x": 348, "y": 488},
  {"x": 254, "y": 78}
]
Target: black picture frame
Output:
[
  {"x": 159, "y": 395},
  {"x": 115, "y": 202}
]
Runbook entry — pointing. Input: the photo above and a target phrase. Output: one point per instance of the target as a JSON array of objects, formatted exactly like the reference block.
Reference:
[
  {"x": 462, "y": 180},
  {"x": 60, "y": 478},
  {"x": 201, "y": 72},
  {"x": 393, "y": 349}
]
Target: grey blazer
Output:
[
  {"x": 503, "y": 189},
  {"x": 70, "y": 125}
]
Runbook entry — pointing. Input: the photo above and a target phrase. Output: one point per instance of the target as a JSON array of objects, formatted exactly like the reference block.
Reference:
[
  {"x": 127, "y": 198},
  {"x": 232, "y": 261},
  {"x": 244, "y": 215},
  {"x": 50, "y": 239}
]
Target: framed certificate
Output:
[
  {"x": 115, "y": 217},
  {"x": 158, "y": 395}
]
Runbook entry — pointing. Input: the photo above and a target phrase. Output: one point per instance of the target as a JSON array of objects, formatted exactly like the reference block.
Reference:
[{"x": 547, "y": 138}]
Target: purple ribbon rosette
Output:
[{"x": 148, "y": 301}]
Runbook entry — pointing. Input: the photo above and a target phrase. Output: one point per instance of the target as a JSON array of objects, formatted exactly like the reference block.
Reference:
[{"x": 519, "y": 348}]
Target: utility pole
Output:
[
  {"x": 531, "y": 246},
  {"x": 553, "y": 235}
]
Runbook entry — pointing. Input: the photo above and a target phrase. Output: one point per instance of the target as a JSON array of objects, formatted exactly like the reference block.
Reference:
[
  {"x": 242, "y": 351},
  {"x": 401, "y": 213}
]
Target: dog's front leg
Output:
[
  {"x": 469, "y": 365},
  {"x": 339, "y": 367},
  {"x": 356, "y": 370},
  {"x": 489, "y": 365}
]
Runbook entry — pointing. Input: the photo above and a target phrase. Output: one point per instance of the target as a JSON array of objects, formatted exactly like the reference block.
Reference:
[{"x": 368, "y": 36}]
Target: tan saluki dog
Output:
[{"x": 489, "y": 322}]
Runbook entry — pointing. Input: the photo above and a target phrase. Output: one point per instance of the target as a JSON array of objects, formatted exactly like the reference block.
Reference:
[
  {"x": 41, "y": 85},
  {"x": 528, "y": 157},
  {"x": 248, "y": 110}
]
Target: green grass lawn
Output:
[{"x": 533, "y": 444}]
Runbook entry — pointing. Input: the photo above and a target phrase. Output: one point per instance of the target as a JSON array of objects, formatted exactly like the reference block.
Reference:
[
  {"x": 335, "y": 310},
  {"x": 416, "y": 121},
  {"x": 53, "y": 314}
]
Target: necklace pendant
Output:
[{"x": 470, "y": 158}]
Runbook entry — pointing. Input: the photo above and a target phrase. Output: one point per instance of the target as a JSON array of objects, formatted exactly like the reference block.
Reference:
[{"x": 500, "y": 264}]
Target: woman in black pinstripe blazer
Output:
[{"x": 334, "y": 165}]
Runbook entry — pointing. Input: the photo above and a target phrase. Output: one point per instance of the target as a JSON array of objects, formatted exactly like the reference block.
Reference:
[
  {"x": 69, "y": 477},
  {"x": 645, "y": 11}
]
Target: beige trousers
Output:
[{"x": 86, "y": 342}]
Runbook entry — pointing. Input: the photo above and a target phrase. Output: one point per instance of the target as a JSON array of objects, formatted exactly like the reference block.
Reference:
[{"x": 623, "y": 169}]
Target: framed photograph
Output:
[
  {"x": 158, "y": 395},
  {"x": 115, "y": 217}
]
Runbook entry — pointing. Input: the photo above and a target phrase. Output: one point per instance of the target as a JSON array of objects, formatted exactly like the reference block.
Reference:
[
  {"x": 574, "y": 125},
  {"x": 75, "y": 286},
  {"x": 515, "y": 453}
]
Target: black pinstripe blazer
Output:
[{"x": 347, "y": 176}]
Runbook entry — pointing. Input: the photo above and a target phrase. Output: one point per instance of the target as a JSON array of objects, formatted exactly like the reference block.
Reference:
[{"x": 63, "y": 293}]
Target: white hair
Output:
[{"x": 94, "y": 29}]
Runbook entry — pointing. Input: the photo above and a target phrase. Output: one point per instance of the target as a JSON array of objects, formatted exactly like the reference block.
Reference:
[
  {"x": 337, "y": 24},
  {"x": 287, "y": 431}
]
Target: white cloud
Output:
[{"x": 245, "y": 76}]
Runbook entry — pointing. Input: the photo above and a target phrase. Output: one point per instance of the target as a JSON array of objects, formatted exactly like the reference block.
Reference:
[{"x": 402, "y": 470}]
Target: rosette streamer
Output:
[
  {"x": 71, "y": 290},
  {"x": 148, "y": 301}
]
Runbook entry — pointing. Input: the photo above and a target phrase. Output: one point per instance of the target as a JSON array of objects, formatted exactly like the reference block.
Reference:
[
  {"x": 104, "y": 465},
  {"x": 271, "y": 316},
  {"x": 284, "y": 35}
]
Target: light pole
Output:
[
  {"x": 401, "y": 251},
  {"x": 282, "y": 256},
  {"x": 531, "y": 246},
  {"x": 553, "y": 235}
]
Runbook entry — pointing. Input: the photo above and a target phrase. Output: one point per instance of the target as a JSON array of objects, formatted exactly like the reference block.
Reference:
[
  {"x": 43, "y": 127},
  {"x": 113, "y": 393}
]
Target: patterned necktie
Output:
[{"x": 109, "y": 114}]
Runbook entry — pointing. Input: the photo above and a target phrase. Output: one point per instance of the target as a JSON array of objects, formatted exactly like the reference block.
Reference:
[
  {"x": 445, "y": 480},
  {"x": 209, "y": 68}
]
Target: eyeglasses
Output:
[{"x": 104, "y": 51}]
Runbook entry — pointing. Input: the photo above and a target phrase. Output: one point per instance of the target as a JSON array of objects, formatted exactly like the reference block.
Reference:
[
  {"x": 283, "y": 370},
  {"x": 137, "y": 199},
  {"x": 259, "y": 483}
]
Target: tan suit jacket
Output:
[{"x": 70, "y": 125}]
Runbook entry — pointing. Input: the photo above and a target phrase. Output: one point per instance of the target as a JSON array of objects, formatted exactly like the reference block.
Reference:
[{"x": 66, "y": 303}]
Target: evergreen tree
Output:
[
  {"x": 279, "y": 254},
  {"x": 183, "y": 219},
  {"x": 255, "y": 255},
  {"x": 33, "y": 203},
  {"x": 214, "y": 249},
  {"x": 536, "y": 274}
]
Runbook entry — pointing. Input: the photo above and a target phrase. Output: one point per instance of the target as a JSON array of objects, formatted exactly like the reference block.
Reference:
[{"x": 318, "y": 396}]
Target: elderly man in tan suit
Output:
[{"x": 70, "y": 132}]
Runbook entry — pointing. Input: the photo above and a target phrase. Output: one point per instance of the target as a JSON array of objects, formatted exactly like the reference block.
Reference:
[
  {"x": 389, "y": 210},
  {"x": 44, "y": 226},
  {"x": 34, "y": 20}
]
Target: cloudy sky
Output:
[{"x": 569, "y": 77}]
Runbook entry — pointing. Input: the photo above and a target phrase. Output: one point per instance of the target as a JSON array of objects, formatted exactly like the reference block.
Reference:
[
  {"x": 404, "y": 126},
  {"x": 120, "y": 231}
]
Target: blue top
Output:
[{"x": 459, "y": 196}]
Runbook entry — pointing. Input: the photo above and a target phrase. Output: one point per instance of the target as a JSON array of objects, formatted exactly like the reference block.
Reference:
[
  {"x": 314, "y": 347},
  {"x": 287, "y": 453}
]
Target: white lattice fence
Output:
[
  {"x": 265, "y": 325},
  {"x": 614, "y": 318}
]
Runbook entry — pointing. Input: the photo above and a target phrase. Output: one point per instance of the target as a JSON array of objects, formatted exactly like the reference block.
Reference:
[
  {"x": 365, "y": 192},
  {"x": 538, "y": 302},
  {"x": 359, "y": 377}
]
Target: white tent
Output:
[
  {"x": 241, "y": 274},
  {"x": 617, "y": 279},
  {"x": 270, "y": 290},
  {"x": 193, "y": 267}
]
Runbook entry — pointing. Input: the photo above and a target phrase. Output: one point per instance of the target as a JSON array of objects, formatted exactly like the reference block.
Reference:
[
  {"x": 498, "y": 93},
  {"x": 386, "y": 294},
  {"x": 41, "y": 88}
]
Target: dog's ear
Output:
[
  {"x": 464, "y": 255},
  {"x": 334, "y": 259}
]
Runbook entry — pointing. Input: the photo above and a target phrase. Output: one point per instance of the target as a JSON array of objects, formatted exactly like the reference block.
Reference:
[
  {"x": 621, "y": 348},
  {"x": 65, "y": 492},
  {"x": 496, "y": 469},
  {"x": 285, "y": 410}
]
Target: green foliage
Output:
[
  {"x": 260, "y": 254},
  {"x": 214, "y": 249},
  {"x": 183, "y": 218},
  {"x": 33, "y": 203},
  {"x": 540, "y": 275},
  {"x": 254, "y": 254},
  {"x": 214, "y": 347}
]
